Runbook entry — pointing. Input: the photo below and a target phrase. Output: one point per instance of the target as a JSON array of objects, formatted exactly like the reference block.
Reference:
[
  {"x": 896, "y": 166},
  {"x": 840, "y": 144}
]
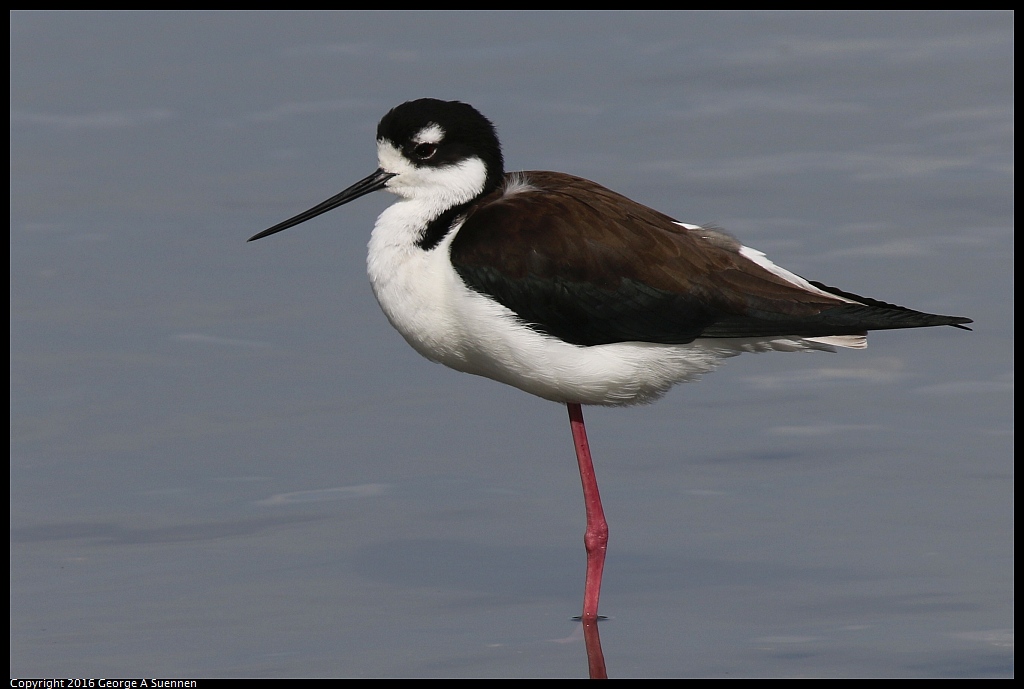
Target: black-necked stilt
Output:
[{"x": 569, "y": 291}]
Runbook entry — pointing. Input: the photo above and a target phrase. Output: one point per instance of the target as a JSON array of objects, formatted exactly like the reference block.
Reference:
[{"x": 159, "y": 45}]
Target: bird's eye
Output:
[{"x": 424, "y": 151}]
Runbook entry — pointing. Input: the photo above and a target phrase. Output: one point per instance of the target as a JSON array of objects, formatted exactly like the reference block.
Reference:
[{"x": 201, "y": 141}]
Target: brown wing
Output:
[{"x": 587, "y": 265}]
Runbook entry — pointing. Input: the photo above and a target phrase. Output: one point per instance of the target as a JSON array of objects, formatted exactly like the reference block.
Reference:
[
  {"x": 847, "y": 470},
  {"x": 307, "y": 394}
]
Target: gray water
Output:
[{"x": 225, "y": 463}]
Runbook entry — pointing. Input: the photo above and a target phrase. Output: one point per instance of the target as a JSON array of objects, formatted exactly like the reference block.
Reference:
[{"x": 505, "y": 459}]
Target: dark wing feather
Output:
[{"x": 589, "y": 266}]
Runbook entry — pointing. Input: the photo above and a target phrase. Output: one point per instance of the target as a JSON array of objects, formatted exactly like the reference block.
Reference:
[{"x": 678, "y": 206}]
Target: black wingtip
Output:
[{"x": 926, "y": 320}]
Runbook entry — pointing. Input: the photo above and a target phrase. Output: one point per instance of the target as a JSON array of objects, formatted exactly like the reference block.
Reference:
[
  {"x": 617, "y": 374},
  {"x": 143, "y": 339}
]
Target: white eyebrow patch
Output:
[{"x": 431, "y": 134}]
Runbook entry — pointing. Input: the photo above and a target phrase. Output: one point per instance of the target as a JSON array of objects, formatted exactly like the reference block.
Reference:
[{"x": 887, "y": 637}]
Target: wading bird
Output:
[{"x": 560, "y": 287}]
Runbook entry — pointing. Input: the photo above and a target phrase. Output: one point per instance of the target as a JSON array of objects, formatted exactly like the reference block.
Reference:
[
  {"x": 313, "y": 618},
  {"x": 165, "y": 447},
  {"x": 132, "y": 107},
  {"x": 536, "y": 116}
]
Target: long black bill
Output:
[{"x": 361, "y": 188}]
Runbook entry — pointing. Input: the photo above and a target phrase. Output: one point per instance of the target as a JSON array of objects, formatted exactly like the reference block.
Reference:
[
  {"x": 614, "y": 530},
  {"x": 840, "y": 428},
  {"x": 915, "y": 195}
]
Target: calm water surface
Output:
[{"x": 225, "y": 463}]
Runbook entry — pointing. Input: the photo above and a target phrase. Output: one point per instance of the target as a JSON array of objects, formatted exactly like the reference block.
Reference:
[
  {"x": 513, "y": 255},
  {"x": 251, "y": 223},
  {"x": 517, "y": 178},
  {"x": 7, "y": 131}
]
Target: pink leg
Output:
[{"x": 596, "y": 536}]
